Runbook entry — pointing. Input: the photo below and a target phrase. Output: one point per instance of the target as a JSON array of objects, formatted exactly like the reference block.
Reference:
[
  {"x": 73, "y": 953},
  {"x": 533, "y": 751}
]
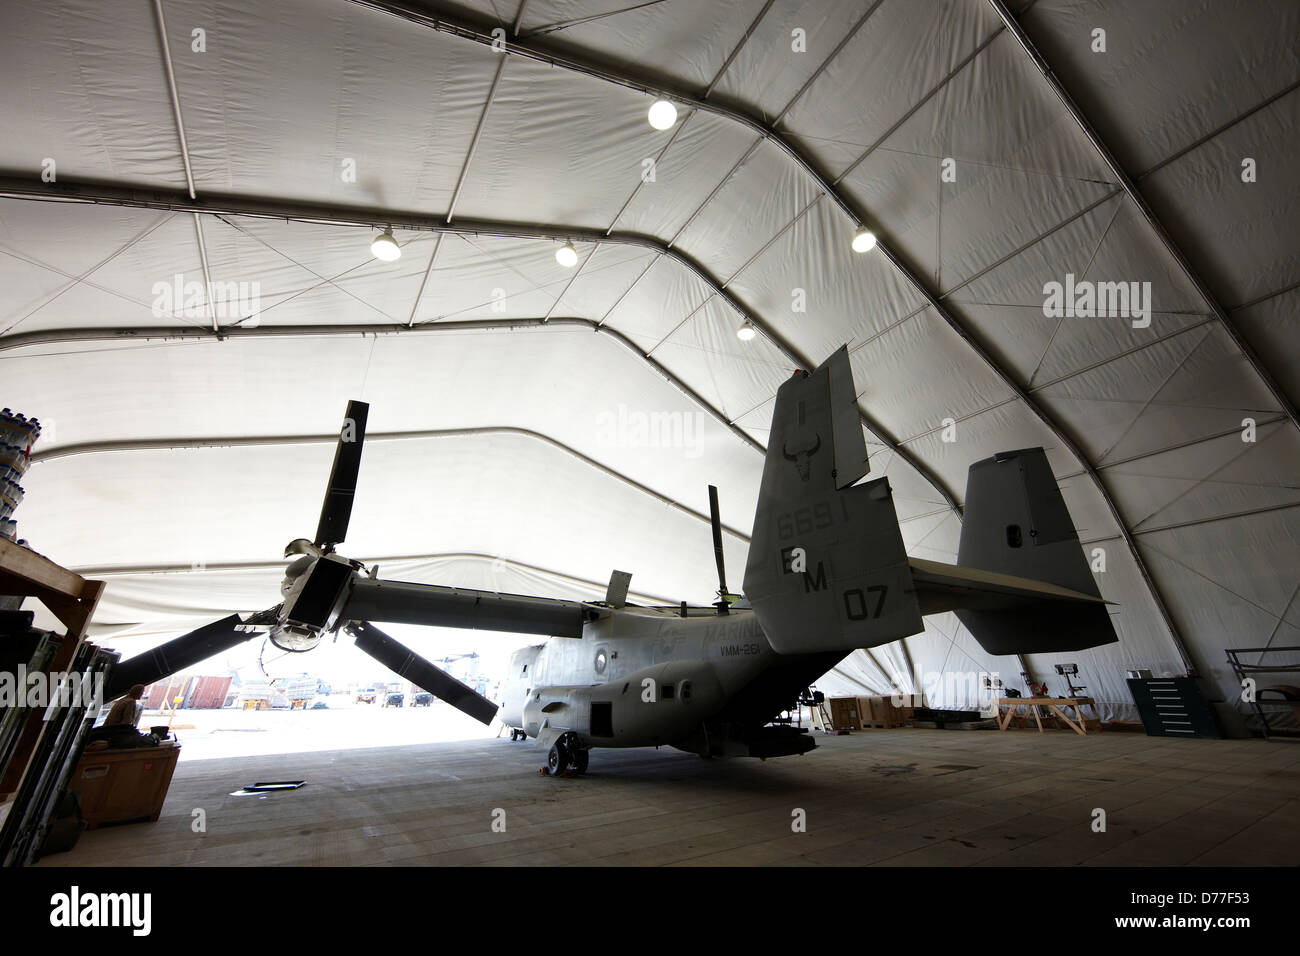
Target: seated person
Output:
[
  {"x": 118, "y": 728},
  {"x": 128, "y": 709}
]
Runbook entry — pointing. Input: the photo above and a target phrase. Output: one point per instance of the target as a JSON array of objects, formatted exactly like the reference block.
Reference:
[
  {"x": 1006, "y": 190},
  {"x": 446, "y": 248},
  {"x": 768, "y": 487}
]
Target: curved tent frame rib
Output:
[{"x": 144, "y": 333}]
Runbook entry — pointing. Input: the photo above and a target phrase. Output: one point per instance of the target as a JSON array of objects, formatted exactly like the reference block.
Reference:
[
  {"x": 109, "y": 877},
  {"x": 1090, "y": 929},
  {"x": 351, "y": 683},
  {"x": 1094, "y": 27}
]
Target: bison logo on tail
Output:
[{"x": 802, "y": 459}]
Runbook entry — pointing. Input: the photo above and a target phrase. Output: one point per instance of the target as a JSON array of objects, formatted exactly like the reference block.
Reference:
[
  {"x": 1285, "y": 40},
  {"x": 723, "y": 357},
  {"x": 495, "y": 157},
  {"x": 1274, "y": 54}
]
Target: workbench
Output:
[{"x": 1007, "y": 707}]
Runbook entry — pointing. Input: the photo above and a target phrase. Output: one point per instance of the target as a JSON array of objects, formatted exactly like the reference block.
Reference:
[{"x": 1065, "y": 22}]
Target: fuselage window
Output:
[
  {"x": 668, "y": 692},
  {"x": 686, "y": 690},
  {"x": 1014, "y": 539}
]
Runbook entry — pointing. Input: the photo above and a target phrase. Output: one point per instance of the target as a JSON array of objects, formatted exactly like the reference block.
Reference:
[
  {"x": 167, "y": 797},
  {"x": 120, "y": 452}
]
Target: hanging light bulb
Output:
[
  {"x": 864, "y": 240},
  {"x": 745, "y": 332},
  {"x": 566, "y": 255},
  {"x": 385, "y": 247},
  {"x": 662, "y": 114}
]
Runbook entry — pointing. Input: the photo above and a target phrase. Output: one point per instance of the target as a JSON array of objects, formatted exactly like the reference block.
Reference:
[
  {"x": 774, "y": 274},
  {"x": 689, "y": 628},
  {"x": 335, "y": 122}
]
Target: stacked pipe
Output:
[{"x": 18, "y": 434}]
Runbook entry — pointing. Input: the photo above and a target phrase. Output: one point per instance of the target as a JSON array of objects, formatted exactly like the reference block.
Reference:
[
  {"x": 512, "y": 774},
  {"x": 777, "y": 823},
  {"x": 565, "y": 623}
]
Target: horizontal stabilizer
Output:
[{"x": 947, "y": 587}]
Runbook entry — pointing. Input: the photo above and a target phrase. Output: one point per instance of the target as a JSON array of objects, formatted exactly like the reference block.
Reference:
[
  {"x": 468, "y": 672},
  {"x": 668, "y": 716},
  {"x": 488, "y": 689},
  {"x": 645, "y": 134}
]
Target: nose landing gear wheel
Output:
[
  {"x": 567, "y": 754},
  {"x": 557, "y": 760}
]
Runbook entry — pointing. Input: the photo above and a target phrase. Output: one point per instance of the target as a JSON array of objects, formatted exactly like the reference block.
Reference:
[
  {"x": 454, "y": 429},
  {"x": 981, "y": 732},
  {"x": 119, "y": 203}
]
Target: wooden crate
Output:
[
  {"x": 121, "y": 785},
  {"x": 845, "y": 713},
  {"x": 881, "y": 711}
]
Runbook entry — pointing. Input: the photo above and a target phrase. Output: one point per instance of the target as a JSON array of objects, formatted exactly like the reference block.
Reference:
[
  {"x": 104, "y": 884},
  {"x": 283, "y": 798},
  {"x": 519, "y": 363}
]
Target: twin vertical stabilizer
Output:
[{"x": 827, "y": 570}]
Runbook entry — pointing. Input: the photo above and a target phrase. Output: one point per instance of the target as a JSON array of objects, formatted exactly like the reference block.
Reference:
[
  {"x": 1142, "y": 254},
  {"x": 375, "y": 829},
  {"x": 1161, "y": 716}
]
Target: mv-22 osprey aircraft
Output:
[{"x": 826, "y": 574}]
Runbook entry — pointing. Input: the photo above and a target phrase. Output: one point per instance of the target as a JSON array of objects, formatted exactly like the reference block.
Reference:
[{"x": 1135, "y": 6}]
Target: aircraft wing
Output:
[
  {"x": 948, "y": 587},
  {"x": 401, "y": 602}
]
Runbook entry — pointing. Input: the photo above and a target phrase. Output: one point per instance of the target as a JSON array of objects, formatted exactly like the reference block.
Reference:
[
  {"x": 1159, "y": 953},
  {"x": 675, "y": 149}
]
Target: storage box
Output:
[
  {"x": 845, "y": 713},
  {"x": 123, "y": 785},
  {"x": 881, "y": 711}
]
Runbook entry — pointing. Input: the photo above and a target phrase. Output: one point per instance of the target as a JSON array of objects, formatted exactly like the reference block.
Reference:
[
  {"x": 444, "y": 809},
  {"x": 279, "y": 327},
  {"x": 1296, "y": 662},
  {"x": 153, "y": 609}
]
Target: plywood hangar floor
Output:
[{"x": 888, "y": 797}]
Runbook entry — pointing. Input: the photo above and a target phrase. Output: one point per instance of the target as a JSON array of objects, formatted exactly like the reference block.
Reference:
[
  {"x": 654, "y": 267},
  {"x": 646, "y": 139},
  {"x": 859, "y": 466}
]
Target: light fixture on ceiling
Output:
[
  {"x": 566, "y": 255},
  {"x": 385, "y": 246},
  {"x": 662, "y": 114},
  {"x": 864, "y": 240},
  {"x": 746, "y": 331}
]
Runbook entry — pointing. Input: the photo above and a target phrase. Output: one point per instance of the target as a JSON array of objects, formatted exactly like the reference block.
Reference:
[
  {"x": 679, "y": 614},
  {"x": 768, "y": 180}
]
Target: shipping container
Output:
[
  {"x": 196, "y": 693},
  {"x": 207, "y": 693}
]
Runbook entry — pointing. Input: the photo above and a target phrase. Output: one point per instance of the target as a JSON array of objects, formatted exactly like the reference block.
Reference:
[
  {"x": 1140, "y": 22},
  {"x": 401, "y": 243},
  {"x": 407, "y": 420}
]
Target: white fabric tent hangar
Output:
[{"x": 1083, "y": 216}]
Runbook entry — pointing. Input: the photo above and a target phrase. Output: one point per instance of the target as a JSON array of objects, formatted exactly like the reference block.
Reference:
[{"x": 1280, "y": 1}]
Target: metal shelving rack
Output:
[
  {"x": 1244, "y": 671},
  {"x": 39, "y": 744}
]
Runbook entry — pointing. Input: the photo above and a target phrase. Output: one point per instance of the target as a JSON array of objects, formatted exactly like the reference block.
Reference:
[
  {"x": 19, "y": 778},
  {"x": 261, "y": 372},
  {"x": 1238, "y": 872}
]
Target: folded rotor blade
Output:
[
  {"x": 337, "y": 508},
  {"x": 178, "y": 654},
  {"x": 716, "y": 521},
  {"x": 404, "y": 662}
]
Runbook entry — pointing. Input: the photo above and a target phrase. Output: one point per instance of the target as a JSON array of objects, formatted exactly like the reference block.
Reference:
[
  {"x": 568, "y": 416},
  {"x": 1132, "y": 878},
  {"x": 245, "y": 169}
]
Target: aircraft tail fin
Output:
[
  {"x": 1016, "y": 523},
  {"x": 827, "y": 570}
]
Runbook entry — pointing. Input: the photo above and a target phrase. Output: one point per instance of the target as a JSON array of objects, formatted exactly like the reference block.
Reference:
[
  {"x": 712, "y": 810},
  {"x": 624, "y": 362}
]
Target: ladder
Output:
[{"x": 821, "y": 718}]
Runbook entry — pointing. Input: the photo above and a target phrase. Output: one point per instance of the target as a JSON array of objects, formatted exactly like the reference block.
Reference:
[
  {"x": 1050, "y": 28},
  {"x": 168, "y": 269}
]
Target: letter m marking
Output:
[{"x": 810, "y": 583}]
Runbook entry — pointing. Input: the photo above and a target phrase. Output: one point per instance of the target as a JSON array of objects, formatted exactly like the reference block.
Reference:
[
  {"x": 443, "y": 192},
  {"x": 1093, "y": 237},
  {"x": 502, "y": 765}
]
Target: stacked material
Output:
[{"x": 18, "y": 434}]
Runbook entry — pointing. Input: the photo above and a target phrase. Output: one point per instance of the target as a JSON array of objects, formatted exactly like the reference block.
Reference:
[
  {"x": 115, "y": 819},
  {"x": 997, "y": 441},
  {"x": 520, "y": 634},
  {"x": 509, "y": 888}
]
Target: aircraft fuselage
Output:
[{"x": 643, "y": 677}]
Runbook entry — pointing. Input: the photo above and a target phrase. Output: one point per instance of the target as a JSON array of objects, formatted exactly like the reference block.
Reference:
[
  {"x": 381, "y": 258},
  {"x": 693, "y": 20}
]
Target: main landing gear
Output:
[
  {"x": 567, "y": 754},
  {"x": 517, "y": 734}
]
